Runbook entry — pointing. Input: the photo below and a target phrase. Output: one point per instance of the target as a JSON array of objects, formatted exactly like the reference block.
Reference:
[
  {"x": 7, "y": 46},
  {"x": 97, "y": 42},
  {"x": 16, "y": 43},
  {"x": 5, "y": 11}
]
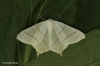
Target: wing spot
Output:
[
  {"x": 31, "y": 36},
  {"x": 69, "y": 35},
  {"x": 75, "y": 38}
]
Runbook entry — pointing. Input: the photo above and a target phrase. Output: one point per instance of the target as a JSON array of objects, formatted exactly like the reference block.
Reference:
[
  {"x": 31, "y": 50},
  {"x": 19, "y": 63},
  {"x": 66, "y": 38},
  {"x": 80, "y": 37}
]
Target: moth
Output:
[{"x": 50, "y": 35}]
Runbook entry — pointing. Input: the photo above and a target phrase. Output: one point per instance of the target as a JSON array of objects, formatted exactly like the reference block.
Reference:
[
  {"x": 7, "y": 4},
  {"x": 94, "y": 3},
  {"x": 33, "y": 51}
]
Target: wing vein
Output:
[
  {"x": 45, "y": 43},
  {"x": 55, "y": 42},
  {"x": 39, "y": 30},
  {"x": 31, "y": 36},
  {"x": 69, "y": 35},
  {"x": 61, "y": 30}
]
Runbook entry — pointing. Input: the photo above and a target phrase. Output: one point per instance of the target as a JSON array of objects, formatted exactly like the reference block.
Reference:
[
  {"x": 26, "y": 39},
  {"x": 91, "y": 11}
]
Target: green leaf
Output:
[
  {"x": 88, "y": 15},
  {"x": 77, "y": 13},
  {"x": 84, "y": 53}
]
